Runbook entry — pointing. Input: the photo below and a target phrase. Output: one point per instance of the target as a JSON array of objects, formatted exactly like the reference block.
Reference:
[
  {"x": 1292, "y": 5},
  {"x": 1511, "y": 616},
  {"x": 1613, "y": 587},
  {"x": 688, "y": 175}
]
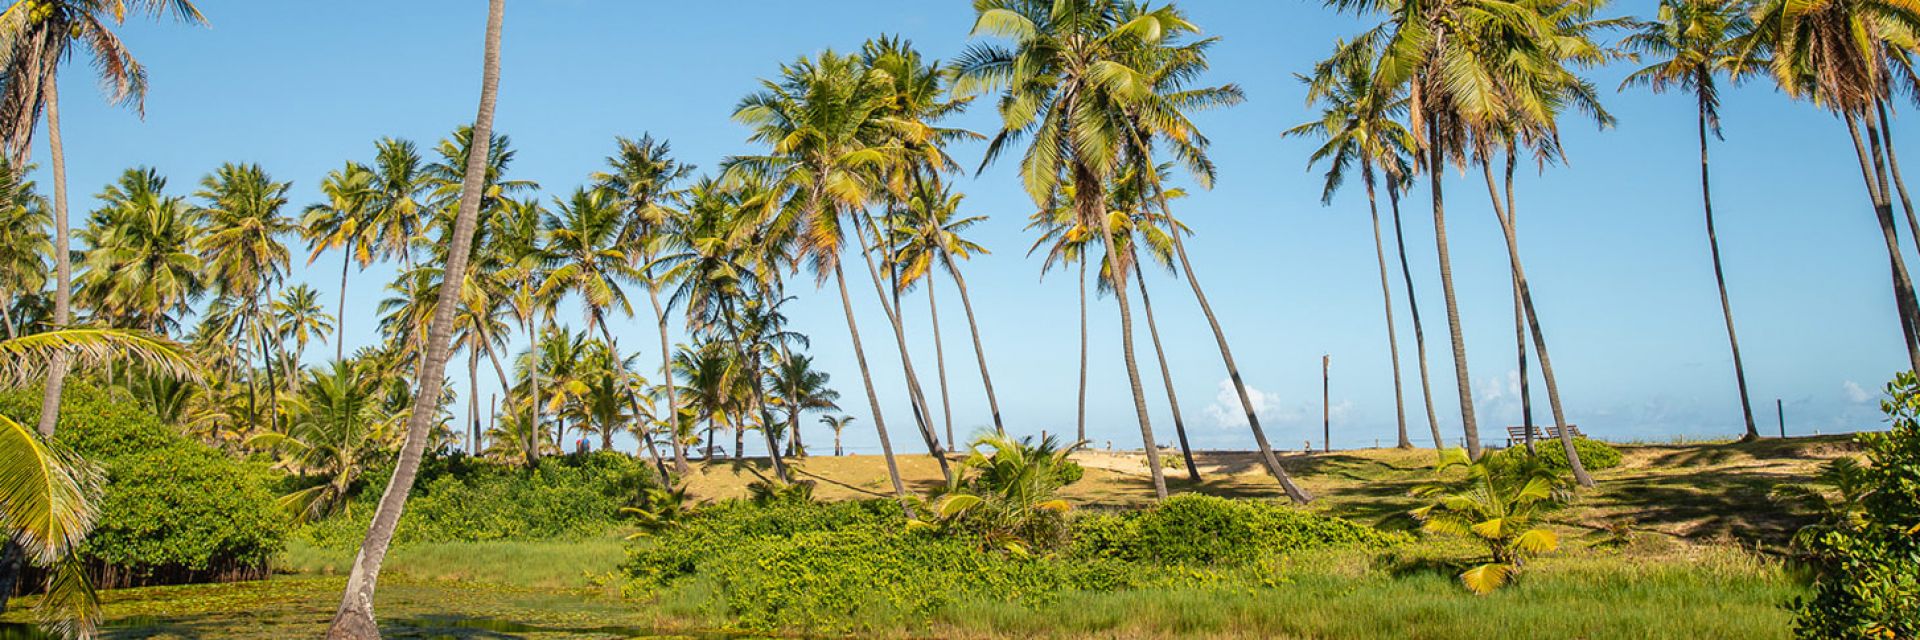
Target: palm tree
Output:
[
  {"x": 140, "y": 268},
  {"x": 641, "y": 176},
  {"x": 1690, "y": 41},
  {"x": 518, "y": 242},
  {"x": 1845, "y": 56},
  {"x": 354, "y": 620},
  {"x": 926, "y": 236},
  {"x": 837, "y": 424},
  {"x": 799, "y": 388},
  {"x": 242, "y": 250},
  {"x": 816, "y": 121},
  {"x": 35, "y": 38},
  {"x": 24, "y": 245},
  {"x": 1065, "y": 242},
  {"x": 395, "y": 212},
  {"x": 298, "y": 316},
  {"x": 1358, "y": 125},
  {"x": 344, "y": 223},
  {"x": 333, "y": 435},
  {"x": 584, "y": 237}
]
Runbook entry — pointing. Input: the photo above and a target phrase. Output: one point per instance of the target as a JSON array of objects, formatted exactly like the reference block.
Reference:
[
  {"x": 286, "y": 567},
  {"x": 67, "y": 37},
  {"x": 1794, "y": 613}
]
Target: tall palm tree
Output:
[
  {"x": 395, "y": 215},
  {"x": 1845, "y": 56},
  {"x": 1358, "y": 124},
  {"x": 354, "y": 620},
  {"x": 1065, "y": 242},
  {"x": 344, "y": 223},
  {"x": 926, "y": 236},
  {"x": 243, "y": 253},
  {"x": 798, "y": 388},
  {"x": 1135, "y": 226},
  {"x": 35, "y": 38},
  {"x": 1688, "y": 43},
  {"x": 518, "y": 242},
  {"x": 298, "y": 317},
  {"x": 816, "y": 121},
  {"x": 641, "y": 176},
  {"x": 24, "y": 243},
  {"x": 141, "y": 268}
]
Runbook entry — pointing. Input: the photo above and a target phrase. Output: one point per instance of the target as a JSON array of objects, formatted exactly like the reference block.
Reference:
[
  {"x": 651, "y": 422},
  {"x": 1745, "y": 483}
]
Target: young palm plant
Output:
[{"x": 1498, "y": 504}]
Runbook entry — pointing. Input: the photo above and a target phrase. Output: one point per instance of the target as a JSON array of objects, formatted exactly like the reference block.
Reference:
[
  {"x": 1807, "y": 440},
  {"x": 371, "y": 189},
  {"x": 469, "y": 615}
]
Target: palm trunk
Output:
[
  {"x": 837, "y": 451},
  {"x": 1893, "y": 167},
  {"x": 1720, "y": 278},
  {"x": 921, "y": 414},
  {"x": 633, "y": 399},
  {"x": 1413, "y": 304},
  {"x": 1081, "y": 433},
  {"x": 1133, "y": 381},
  {"x": 1267, "y": 456},
  {"x": 340, "y": 306},
  {"x": 1386, "y": 297},
  {"x": 1539, "y": 339},
  {"x": 979, "y": 353},
  {"x": 873, "y": 400},
  {"x": 1435, "y": 168},
  {"x": 1166, "y": 376},
  {"x": 1883, "y": 211},
  {"x": 1519, "y": 315},
  {"x": 666, "y": 369},
  {"x": 473, "y": 399},
  {"x": 760, "y": 404},
  {"x": 62, "y": 259},
  {"x": 6, "y": 316},
  {"x": 795, "y": 447},
  {"x": 940, "y": 363},
  {"x": 354, "y": 620}
]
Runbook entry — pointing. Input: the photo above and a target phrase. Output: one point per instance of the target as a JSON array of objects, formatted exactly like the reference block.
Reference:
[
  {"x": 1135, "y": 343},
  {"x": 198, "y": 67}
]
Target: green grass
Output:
[{"x": 558, "y": 564}]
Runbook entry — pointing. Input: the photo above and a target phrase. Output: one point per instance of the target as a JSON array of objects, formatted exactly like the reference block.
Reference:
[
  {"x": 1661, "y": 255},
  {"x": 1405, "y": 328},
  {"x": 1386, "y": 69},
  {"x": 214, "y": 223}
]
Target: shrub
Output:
[
  {"x": 1594, "y": 454},
  {"x": 458, "y": 498},
  {"x": 1204, "y": 530},
  {"x": 173, "y": 510},
  {"x": 1868, "y": 569}
]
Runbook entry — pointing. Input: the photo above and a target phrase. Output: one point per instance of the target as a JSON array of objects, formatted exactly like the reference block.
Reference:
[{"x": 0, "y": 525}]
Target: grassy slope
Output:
[{"x": 1680, "y": 578}]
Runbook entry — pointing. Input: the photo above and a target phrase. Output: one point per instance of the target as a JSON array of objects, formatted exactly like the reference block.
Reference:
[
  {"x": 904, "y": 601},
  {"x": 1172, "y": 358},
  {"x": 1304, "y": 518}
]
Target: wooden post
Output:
[
  {"x": 1326, "y": 410},
  {"x": 1780, "y": 412}
]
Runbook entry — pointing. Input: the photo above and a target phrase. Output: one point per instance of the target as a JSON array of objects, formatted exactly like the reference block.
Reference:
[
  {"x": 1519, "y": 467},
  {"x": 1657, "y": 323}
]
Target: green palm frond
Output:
[{"x": 24, "y": 359}]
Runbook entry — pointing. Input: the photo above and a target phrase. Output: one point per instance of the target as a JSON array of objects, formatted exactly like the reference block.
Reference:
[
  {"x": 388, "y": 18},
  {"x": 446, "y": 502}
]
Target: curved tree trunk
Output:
[
  {"x": 1435, "y": 168},
  {"x": 1883, "y": 211},
  {"x": 1519, "y": 314},
  {"x": 666, "y": 369},
  {"x": 62, "y": 258},
  {"x": 940, "y": 364},
  {"x": 1539, "y": 339},
  {"x": 1893, "y": 167},
  {"x": 1080, "y": 435},
  {"x": 1413, "y": 304},
  {"x": 979, "y": 353},
  {"x": 919, "y": 400},
  {"x": 1720, "y": 278},
  {"x": 1166, "y": 376},
  {"x": 355, "y": 620},
  {"x": 1386, "y": 297},
  {"x": 1133, "y": 381},
  {"x": 873, "y": 400},
  {"x": 1267, "y": 456}
]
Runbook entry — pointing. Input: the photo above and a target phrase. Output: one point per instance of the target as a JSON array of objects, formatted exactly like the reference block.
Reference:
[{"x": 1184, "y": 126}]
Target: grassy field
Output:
[{"x": 1700, "y": 564}]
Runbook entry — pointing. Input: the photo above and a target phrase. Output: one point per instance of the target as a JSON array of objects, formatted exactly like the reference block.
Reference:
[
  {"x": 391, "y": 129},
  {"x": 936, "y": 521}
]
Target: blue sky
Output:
[{"x": 1613, "y": 242}]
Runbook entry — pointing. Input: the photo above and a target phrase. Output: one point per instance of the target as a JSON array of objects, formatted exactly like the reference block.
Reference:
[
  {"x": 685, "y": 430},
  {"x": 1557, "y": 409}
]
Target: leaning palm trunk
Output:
[
  {"x": 1883, "y": 211},
  {"x": 633, "y": 399},
  {"x": 1539, "y": 339},
  {"x": 1386, "y": 297},
  {"x": 873, "y": 400},
  {"x": 1133, "y": 381},
  {"x": 1413, "y": 304},
  {"x": 1893, "y": 167},
  {"x": 1435, "y": 168},
  {"x": 1519, "y": 315},
  {"x": 1166, "y": 376},
  {"x": 354, "y": 620},
  {"x": 62, "y": 260},
  {"x": 666, "y": 371},
  {"x": 1720, "y": 275},
  {"x": 1267, "y": 456},
  {"x": 979, "y": 353},
  {"x": 919, "y": 400},
  {"x": 940, "y": 363}
]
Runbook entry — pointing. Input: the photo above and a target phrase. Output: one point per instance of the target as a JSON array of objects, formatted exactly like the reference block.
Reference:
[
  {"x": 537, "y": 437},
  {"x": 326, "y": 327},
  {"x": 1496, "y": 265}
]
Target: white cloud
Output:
[
  {"x": 1855, "y": 393},
  {"x": 1227, "y": 411}
]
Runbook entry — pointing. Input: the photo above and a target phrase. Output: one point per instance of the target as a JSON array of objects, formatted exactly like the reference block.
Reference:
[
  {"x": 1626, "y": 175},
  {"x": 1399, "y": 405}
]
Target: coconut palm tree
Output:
[
  {"x": 24, "y": 243},
  {"x": 1358, "y": 125},
  {"x": 242, "y": 251},
  {"x": 140, "y": 268},
  {"x": 518, "y": 243},
  {"x": 354, "y": 620},
  {"x": 35, "y": 38},
  {"x": 924, "y": 236},
  {"x": 333, "y": 436},
  {"x": 817, "y": 121},
  {"x": 1687, "y": 44},
  {"x": 297, "y": 316},
  {"x": 344, "y": 223},
  {"x": 1845, "y": 56},
  {"x": 1135, "y": 226},
  {"x": 1065, "y": 242},
  {"x": 395, "y": 214},
  {"x": 797, "y": 387},
  {"x": 642, "y": 175}
]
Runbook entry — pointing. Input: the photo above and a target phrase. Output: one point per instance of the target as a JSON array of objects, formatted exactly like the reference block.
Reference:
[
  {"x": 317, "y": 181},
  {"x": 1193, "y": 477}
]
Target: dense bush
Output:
[
  {"x": 1594, "y": 454},
  {"x": 1868, "y": 583},
  {"x": 855, "y": 566},
  {"x": 459, "y": 498},
  {"x": 1205, "y": 530},
  {"x": 174, "y": 510}
]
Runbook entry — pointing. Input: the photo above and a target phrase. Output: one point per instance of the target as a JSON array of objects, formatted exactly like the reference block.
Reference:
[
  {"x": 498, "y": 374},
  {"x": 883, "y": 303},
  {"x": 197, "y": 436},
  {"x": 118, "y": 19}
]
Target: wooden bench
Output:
[{"x": 1540, "y": 432}]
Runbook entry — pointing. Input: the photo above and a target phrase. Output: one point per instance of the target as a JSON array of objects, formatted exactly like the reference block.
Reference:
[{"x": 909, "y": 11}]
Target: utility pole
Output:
[
  {"x": 1780, "y": 411},
  {"x": 1326, "y": 410}
]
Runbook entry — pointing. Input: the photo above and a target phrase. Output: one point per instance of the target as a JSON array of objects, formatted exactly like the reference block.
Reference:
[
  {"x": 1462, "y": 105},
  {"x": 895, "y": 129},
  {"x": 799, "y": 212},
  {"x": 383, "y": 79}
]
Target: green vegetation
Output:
[{"x": 1596, "y": 455}]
